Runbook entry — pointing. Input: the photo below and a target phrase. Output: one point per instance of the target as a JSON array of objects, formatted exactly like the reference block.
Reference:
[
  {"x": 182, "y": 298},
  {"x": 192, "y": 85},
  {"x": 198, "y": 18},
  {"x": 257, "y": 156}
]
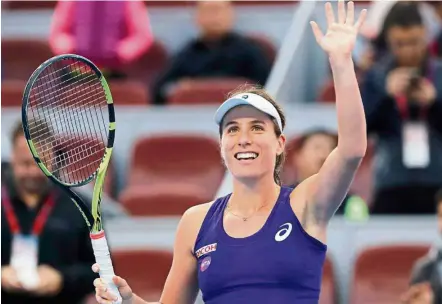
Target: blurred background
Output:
[{"x": 171, "y": 63}]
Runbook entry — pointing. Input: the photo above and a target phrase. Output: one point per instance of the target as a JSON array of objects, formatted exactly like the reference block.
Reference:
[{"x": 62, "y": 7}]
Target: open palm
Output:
[{"x": 341, "y": 34}]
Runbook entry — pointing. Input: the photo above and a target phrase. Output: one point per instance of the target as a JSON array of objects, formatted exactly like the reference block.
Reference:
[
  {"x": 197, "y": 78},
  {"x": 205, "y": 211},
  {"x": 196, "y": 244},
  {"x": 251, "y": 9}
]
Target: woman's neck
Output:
[{"x": 248, "y": 197}]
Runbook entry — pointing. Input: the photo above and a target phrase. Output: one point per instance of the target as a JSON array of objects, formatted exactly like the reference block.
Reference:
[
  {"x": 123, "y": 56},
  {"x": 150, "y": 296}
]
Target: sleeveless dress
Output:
[{"x": 280, "y": 263}]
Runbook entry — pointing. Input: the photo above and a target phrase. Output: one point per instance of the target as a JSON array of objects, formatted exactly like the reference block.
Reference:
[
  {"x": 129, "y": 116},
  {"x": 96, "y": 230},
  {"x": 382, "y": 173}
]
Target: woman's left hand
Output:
[{"x": 341, "y": 34}]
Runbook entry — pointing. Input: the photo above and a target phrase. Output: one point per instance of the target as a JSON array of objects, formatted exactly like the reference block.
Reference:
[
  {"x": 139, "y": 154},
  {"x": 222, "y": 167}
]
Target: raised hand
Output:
[{"x": 341, "y": 34}]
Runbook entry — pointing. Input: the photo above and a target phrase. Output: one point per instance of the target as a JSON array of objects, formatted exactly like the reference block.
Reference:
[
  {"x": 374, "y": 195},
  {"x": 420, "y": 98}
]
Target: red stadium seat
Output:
[
  {"x": 328, "y": 285},
  {"x": 168, "y": 174},
  {"x": 12, "y": 93},
  {"x": 149, "y": 65},
  {"x": 21, "y": 57},
  {"x": 327, "y": 93},
  {"x": 173, "y": 159},
  {"x": 129, "y": 93},
  {"x": 167, "y": 199},
  {"x": 267, "y": 46},
  {"x": 146, "y": 270},
  {"x": 204, "y": 91},
  {"x": 382, "y": 273}
]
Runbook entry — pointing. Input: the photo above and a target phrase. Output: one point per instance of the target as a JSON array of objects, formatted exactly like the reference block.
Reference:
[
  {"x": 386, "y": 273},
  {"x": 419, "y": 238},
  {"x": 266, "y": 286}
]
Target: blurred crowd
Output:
[
  {"x": 116, "y": 34},
  {"x": 398, "y": 64}
]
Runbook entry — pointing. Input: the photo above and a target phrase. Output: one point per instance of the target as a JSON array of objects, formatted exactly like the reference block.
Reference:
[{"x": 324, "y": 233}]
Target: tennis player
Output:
[{"x": 264, "y": 243}]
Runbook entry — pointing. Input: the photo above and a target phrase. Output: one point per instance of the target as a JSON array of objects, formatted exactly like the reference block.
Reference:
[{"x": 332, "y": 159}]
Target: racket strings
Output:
[
  {"x": 55, "y": 92},
  {"x": 68, "y": 125},
  {"x": 73, "y": 172},
  {"x": 77, "y": 118},
  {"x": 72, "y": 105}
]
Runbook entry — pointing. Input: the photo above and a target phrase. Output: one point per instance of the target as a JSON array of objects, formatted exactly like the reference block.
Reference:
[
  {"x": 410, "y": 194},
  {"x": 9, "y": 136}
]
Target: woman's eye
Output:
[
  {"x": 232, "y": 129},
  {"x": 257, "y": 128}
]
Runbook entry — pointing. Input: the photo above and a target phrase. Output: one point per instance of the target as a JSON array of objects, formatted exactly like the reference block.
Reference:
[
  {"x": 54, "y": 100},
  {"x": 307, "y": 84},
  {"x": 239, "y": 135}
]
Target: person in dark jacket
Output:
[
  {"x": 46, "y": 248},
  {"x": 426, "y": 275},
  {"x": 402, "y": 96},
  {"x": 217, "y": 52}
]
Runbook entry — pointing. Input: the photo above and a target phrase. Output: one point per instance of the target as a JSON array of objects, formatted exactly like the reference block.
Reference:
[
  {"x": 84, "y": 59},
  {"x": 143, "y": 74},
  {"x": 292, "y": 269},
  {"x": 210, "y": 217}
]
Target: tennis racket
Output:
[{"x": 69, "y": 122}]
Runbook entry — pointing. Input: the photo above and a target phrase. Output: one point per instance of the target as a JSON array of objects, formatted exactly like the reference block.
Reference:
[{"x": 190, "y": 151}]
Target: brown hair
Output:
[
  {"x": 300, "y": 143},
  {"x": 17, "y": 131},
  {"x": 254, "y": 89}
]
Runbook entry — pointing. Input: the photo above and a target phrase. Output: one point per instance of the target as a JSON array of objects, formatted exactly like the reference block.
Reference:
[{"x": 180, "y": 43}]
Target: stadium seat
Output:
[
  {"x": 167, "y": 199},
  {"x": 328, "y": 286},
  {"x": 20, "y": 57},
  {"x": 146, "y": 271},
  {"x": 327, "y": 92},
  {"x": 382, "y": 273},
  {"x": 204, "y": 91},
  {"x": 147, "y": 68},
  {"x": 129, "y": 93},
  {"x": 188, "y": 159},
  {"x": 267, "y": 46},
  {"x": 12, "y": 93}
]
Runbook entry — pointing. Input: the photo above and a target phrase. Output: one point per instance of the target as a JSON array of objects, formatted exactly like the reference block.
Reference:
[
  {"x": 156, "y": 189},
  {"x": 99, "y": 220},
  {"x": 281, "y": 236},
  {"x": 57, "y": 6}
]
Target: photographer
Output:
[
  {"x": 426, "y": 276},
  {"x": 402, "y": 96}
]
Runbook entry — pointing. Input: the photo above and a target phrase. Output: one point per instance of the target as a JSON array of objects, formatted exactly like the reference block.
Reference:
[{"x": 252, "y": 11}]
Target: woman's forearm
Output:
[{"x": 350, "y": 110}]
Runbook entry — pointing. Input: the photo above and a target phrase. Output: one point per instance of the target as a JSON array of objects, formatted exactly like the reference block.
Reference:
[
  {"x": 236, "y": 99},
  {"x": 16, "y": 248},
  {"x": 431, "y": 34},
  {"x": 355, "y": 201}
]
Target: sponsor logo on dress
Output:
[
  {"x": 205, "y": 250},
  {"x": 205, "y": 263},
  {"x": 283, "y": 233}
]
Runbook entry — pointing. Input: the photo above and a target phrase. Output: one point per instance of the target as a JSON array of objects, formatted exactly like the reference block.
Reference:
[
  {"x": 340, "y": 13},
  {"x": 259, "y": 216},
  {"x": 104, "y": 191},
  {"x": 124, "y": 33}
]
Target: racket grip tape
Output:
[{"x": 102, "y": 257}]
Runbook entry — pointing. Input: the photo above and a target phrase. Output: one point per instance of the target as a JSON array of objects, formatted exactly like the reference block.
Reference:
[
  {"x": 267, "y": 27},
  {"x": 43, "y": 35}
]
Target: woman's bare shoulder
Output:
[
  {"x": 192, "y": 221},
  {"x": 198, "y": 211}
]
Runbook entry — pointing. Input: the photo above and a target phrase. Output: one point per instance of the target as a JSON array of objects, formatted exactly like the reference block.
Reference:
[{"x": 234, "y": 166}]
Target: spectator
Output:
[
  {"x": 426, "y": 276},
  {"x": 310, "y": 153},
  {"x": 436, "y": 45},
  {"x": 402, "y": 97},
  {"x": 371, "y": 44},
  {"x": 112, "y": 34},
  {"x": 217, "y": 52},
  {"x": 46, "y": 248}
]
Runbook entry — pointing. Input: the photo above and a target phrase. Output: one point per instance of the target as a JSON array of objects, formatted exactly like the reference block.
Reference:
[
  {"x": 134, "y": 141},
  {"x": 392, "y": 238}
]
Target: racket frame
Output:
[{"x": 93, "y": 217}]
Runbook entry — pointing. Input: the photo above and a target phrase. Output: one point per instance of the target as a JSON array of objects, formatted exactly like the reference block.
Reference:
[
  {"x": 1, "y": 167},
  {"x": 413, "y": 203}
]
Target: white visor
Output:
[{"x": 251, "y": 99}]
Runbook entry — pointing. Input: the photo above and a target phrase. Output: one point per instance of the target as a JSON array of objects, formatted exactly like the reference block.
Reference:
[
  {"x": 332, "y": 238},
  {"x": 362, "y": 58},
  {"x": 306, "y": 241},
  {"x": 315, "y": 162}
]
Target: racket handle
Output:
[{"x": 102, "y": 257}]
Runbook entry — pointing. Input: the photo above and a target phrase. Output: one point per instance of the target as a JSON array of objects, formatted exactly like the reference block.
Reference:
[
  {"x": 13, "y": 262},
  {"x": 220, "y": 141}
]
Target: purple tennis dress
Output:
[{"x": 281, "y": 263}]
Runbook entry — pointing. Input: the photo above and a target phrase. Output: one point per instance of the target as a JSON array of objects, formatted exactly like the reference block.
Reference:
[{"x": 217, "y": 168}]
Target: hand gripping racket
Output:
[{"x": 69, "y": 122}]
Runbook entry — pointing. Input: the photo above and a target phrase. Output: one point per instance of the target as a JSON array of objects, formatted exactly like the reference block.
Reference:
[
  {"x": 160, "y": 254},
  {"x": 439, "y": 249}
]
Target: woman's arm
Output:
[
  {"x": 181, "y": 285},
  {"x": 326, "y": 190}
]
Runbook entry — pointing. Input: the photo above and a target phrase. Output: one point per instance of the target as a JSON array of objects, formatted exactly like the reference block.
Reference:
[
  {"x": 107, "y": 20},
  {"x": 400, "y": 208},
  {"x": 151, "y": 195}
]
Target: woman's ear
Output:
[
  {"x": 221, "y": 151},
  {"x": 281, "y": 144}
]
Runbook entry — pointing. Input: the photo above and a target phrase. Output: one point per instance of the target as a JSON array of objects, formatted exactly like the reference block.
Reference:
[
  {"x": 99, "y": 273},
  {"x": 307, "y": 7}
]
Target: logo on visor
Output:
[{"x": 245, "y": 97}]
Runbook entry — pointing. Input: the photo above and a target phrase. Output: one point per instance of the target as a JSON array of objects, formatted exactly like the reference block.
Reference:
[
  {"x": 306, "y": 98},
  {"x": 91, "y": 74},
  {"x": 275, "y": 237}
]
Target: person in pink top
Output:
[{"x": 110, "y": 33}]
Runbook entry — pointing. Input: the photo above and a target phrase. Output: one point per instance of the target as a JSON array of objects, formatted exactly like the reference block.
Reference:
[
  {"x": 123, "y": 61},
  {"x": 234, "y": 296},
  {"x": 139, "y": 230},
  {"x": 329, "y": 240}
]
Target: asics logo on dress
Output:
[{"x": 283, "y": 233}]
